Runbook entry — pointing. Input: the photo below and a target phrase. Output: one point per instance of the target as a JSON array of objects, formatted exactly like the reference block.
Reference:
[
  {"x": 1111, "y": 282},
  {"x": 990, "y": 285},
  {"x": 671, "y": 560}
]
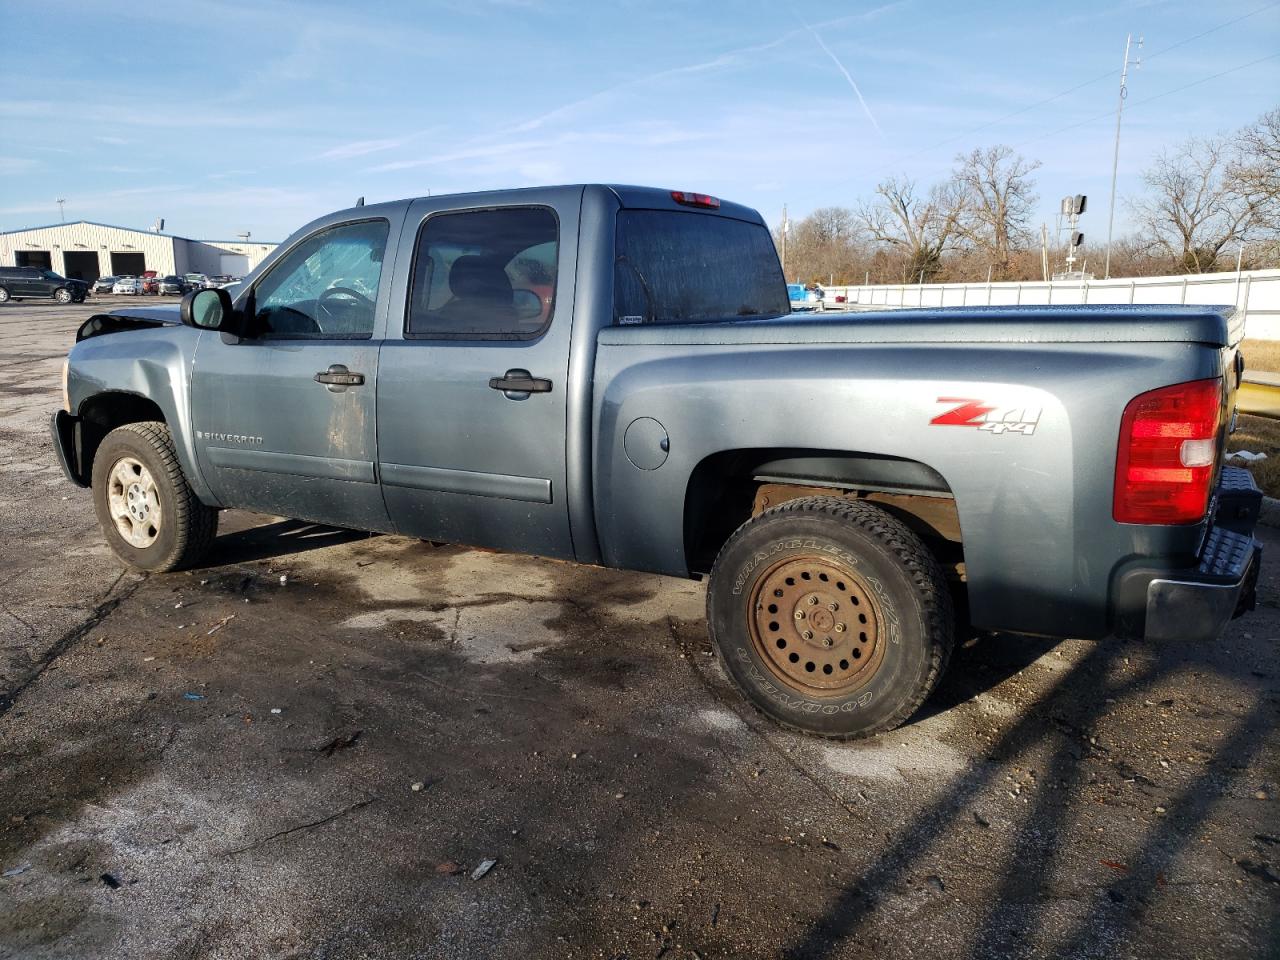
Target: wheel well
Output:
[
  {"x": 101, "y": 414},
  {"x": 727, "y": 489}
]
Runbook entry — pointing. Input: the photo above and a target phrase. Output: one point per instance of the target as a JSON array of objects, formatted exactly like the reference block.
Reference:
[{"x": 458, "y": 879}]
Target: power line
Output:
[
  {"x": 1158, "y": 96},
  {"x": 1081, "y": 86}
]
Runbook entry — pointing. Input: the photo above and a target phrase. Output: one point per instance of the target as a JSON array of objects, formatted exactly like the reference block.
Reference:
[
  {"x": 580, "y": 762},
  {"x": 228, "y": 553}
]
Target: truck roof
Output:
[{"x": 629, "y": 196}]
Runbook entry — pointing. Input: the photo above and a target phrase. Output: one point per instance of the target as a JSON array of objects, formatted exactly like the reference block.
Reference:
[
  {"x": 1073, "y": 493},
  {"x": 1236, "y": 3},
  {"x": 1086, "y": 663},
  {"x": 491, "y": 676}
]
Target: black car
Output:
[
  {"x": 173, "y": 285},
  {"x": 35, "y": 283}
]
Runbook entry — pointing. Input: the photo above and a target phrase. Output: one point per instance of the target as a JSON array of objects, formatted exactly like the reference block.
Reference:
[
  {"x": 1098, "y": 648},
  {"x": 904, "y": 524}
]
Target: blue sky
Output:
[{"x": 226, "y": 116}]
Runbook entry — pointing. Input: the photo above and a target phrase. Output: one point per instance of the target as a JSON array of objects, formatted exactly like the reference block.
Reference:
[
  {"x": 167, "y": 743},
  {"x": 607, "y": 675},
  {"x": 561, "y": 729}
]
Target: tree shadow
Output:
[
  {"x": 979, "y": 664},
  {"x": 1081, "y": 698}
]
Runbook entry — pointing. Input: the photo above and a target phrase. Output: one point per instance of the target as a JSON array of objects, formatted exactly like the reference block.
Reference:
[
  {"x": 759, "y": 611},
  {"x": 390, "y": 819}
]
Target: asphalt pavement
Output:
[{"x": 312, "y": 745}]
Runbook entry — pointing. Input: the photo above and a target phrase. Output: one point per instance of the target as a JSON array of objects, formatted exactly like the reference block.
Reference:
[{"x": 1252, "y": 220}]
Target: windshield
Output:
[
  {"x": 50, "y": 275},
  {"x": 675, "y": 267}
]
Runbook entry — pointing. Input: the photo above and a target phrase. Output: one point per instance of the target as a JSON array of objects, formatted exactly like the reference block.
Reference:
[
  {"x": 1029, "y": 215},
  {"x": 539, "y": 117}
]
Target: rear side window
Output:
[
  {"x": 484, "y": 275},
  {"x": 674, "y": 267}
]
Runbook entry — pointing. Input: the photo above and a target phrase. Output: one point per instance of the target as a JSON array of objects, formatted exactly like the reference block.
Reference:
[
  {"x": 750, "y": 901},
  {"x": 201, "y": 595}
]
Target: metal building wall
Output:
[{"x": 159, "y": 250}]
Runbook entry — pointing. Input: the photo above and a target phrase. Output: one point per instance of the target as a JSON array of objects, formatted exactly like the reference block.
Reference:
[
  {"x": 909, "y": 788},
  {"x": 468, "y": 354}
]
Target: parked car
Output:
[
  {"x": 127, "y": 285},
  {"x": 846, "y": 483},
  {"x": 150, "y": 285},
  {"x": 37, "y": 283},
  {"x": 104, "y": 284},
  {"x": 195, "y": 281},
  {"x": 173, "y": 285}
]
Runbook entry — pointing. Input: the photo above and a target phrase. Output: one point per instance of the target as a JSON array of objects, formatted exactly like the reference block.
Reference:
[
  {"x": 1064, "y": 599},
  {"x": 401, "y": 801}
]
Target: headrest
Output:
[{"x": 478, "y": 277}]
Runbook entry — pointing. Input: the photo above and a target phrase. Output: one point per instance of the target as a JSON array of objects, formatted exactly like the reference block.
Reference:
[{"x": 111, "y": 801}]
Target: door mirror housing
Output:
[{"x": 208, "y": 310}]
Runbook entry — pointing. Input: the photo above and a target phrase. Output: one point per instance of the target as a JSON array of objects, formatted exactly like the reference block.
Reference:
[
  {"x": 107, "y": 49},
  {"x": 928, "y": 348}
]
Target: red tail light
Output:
[
  {"x": 695, "y": 199},
  {"x": 1167, "y": 453}
]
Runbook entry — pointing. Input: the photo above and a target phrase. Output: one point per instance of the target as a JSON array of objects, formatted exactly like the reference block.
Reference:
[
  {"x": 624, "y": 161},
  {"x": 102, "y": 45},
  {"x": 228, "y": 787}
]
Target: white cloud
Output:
[{"x": 14, "y": 165}]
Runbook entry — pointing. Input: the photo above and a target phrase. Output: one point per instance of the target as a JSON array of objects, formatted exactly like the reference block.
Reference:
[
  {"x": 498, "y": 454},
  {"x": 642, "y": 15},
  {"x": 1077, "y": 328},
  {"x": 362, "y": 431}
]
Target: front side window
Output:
[
  {"x": 325, "y": 288},
  {"x": 484, "y": 275},
  {"x": 676, "y": 267}
]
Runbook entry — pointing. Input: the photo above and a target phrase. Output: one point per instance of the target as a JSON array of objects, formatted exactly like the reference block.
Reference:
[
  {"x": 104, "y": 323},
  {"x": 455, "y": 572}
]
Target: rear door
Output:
[
  {"x": 284, "y": 419},
  {"x": 473, "y": 375},
  {"x": 28, "y": 283}
]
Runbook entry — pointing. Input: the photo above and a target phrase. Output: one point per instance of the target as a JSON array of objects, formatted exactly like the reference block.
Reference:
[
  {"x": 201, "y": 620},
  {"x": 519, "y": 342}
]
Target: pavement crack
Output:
[
  {"x": 351, "y": 808},
  {"x": 19, "y": 619},
  {"x": 69, "y": 639}
]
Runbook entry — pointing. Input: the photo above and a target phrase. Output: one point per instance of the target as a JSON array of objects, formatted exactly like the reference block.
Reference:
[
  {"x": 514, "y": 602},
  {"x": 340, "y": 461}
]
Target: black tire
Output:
[
  {"x": 63, "y": 296},
  {"x": 4, "y": 295},
  {"x": 870, "y": 590},
  {"x": 187, "y": 527}
]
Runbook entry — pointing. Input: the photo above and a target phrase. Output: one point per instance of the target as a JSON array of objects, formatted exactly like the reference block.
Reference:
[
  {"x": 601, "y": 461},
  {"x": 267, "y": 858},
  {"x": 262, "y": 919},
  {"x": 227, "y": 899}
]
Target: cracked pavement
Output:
[{"x": 216, "y": 764}]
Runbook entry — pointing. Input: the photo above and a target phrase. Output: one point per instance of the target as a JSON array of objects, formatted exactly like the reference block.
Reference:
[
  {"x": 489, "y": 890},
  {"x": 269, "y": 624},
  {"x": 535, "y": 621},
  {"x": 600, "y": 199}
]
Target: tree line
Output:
[{"x": 1202, "y": 200}]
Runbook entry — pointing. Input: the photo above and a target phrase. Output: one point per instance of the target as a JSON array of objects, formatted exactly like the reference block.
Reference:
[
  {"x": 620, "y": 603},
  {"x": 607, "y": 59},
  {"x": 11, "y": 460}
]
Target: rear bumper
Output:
[{"x": 1199, "y": 605}]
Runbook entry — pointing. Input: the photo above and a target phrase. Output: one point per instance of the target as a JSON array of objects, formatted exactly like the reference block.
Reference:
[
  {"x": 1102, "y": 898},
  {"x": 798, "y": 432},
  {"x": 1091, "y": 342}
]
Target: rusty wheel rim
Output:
[{"x": 816, "y": 626}]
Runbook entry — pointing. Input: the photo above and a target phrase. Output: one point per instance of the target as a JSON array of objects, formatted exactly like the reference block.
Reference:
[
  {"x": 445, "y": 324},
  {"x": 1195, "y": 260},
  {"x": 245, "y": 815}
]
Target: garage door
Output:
[
  {"x": 234, "y": 264},
  {"x": 33, "y": 258},
  {"x": 82, "y": 265},
  {"x": 128, "y": 264}
]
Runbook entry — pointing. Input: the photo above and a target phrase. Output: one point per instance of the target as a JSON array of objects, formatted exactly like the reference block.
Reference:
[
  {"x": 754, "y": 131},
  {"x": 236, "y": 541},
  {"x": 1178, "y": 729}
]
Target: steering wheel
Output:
[{"x": 333, "y": 292}]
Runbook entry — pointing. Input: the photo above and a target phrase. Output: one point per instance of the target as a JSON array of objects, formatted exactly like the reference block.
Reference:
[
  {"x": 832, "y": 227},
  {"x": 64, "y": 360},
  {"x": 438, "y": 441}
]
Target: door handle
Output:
[
  {"x": 338, "y": 378},
  {"x": 520, "y": 382}
]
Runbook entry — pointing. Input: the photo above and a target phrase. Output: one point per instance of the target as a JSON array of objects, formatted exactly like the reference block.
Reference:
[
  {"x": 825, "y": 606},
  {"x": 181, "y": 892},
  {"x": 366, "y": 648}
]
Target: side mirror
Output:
[{"x": 207, "y": 310}]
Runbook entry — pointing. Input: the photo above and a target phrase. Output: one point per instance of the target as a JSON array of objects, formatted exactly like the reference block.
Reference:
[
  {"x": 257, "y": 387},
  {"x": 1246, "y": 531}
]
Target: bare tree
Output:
[
  {"x": 1255, "y": 171},
  {"x": 920, "y": 229},
  {"x": 1000, "y": 196},
  {"x": 824, "y": 246},
  {"x": 1197, "y": 205}
]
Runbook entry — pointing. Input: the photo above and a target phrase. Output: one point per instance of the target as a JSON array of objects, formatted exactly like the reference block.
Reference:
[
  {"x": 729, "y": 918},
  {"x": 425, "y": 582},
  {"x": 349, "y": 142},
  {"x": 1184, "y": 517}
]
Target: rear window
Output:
[{"x": 676, "y": 267}]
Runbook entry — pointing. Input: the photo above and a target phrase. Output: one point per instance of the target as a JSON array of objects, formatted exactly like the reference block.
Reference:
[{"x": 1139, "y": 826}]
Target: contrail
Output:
[{"x": 836, "y": 60}]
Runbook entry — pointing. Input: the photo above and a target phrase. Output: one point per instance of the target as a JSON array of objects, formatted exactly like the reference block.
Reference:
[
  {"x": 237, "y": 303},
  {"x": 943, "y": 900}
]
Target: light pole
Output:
[
  {"x": 1115, "y": 159},
  {"x": 61, "y": 215}
]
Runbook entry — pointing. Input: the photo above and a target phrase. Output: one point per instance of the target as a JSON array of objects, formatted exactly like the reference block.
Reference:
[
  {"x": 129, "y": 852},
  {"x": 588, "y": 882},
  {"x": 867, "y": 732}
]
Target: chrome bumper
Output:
[{"x": 1199, "y": 605}]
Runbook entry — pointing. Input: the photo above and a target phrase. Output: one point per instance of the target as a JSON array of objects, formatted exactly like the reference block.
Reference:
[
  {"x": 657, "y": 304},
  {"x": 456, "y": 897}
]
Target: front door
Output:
[
  {"x": 284, "y": 418},
  {"x": 472, "y": 389}
]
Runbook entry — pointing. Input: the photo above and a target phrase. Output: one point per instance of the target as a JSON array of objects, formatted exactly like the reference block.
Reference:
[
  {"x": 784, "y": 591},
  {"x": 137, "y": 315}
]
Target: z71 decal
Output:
[{"x": 986, "y": 416}]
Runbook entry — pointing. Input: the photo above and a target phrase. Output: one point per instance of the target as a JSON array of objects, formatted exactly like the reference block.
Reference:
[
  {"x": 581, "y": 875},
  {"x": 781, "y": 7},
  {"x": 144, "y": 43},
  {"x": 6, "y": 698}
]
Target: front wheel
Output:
[
  {"x": 150, "y": 515},
  {"x": 831, "y": 616},
  {"x": 4, "y": 295},
  {"x": 62, "y": 295}
]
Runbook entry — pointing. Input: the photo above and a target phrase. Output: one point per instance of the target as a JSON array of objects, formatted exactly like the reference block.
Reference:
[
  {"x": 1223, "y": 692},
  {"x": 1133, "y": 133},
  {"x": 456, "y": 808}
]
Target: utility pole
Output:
[
  {"x": 1115, "y": 159},
  {"x": 1044, "y": 251},
  {"x": 61, "y": 215}
]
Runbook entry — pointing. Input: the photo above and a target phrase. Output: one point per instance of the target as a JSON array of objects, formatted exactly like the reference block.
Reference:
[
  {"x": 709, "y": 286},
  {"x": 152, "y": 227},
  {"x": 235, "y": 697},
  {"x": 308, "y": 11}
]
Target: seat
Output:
[{"x": 481, "y": 296}]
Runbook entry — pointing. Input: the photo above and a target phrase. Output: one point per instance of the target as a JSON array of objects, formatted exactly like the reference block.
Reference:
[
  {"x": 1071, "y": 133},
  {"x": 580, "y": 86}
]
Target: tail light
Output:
[
  {"x": 1167, "y": 453},
  {"x": 695, "y": 199}
]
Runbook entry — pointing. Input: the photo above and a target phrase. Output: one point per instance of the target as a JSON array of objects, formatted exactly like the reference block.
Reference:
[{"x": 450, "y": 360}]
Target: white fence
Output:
[{"x": 1256, "y": 293}]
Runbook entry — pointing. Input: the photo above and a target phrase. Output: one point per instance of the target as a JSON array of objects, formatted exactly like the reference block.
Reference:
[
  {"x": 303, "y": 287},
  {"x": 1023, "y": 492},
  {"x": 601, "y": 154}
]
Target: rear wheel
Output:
[
  {"x": 148, "y": 512},
  {"x": 831, "y": 616},
  {"x": 62, "y": 295},
  {"x": 4, "y": 295}
]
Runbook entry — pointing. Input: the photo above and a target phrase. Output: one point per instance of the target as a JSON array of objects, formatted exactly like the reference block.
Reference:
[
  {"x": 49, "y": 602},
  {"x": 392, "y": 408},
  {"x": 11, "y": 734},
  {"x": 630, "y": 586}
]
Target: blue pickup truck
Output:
[{"x": 613, "y": 375}]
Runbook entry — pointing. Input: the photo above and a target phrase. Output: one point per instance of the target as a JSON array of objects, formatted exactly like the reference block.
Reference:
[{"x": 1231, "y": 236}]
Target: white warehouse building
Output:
[{"x": 86, "y": 251}]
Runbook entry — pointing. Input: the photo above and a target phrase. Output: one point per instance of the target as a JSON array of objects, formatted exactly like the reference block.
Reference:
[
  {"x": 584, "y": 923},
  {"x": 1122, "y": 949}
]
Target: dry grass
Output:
[
  {"x": 1261, "y": 355},
  {"x": 1259, "y": 435}
]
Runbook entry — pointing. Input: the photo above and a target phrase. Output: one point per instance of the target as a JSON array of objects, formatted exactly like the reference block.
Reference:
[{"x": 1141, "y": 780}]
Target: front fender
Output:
[{"x": 154, "y": 364}]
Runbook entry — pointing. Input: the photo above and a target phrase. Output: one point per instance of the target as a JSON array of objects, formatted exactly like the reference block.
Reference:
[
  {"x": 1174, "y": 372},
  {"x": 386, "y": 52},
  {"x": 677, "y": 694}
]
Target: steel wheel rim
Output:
[
  {"x": 133, "y": 501},
  {"x": 806, "y": 644}
]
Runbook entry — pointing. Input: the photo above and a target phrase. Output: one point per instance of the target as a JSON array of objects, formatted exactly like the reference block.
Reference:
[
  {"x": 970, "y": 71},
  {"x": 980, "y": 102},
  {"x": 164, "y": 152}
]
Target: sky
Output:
[{"x": 225, "y": 116}]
